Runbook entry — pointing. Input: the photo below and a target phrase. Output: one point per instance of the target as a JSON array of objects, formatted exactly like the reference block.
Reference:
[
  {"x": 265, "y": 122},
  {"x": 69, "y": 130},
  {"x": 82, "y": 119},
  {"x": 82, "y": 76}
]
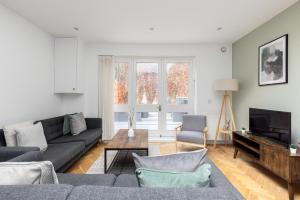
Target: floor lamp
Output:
[{"x": 225, "y": 86}]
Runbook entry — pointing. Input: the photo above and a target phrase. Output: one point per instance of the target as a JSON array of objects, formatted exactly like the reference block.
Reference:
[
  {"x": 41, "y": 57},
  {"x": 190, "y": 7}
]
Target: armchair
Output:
[{"x": 193, "y": 131}]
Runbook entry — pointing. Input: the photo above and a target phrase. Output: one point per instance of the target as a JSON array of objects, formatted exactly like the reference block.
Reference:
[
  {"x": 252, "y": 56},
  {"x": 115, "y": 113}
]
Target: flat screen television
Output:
[{"x": 274, "y": 125}]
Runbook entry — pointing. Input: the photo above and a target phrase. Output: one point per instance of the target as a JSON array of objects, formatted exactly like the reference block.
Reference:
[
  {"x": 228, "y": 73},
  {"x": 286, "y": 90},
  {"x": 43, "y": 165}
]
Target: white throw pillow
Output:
[
  {"x": 32, "y": 136},
  {"x": 10, "y": 132},
  {"x": 27, "y": 173}
]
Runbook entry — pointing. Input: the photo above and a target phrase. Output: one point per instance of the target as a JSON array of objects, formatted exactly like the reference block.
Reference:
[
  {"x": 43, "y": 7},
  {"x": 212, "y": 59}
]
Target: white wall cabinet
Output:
[{"x": 68, "y": 66}]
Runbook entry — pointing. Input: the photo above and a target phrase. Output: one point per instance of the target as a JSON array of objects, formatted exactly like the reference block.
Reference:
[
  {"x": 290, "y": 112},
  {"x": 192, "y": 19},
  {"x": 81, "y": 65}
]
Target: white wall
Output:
[
  {"x": 26, "y": 71},
  {"x": 72, "y": 103},
  {"x": 210, "y": 64}
]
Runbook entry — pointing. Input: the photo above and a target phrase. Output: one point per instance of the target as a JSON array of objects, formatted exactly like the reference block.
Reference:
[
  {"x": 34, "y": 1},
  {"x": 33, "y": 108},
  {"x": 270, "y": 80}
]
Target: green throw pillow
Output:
[
  {"x": 66, "y": 127},
  {"x": 157, "y": 178}
]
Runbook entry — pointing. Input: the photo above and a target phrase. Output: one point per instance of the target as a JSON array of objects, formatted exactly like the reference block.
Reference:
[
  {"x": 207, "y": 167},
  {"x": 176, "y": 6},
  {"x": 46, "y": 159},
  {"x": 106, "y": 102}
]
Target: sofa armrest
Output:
[
  {"x": 7, "y": 153},
  {"x": 93, "y": 123},
  {"x": 28, "y": 157}
]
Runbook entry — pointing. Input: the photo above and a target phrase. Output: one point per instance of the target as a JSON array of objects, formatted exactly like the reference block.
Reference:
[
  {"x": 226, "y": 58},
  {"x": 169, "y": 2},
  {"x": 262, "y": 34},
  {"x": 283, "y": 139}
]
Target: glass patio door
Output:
[
  {"x": 159, "y": 90},
  {"x": 147, "y": 85},
  {"x": 178, "y": 98}
]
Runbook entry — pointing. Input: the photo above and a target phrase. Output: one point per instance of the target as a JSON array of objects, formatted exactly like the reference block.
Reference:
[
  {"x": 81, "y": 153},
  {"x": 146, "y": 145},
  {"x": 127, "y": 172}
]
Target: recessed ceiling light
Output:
[
  {"x": 76, "y": 28},
  {"x": 151, "y": 28}
]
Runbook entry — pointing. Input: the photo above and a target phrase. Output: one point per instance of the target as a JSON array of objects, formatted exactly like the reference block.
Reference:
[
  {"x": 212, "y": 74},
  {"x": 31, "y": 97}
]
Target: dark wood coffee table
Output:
[{"x": 121, "y": 142}]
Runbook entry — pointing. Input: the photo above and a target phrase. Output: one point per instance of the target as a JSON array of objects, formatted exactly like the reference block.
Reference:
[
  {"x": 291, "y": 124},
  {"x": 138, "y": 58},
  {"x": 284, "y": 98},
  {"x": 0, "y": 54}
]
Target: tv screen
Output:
[{"x": 275, "y": 125}]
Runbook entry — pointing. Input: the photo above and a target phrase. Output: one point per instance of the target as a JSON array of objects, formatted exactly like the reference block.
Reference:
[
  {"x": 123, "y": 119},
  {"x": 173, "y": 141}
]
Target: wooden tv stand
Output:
[{"x": 271, "y": 156}]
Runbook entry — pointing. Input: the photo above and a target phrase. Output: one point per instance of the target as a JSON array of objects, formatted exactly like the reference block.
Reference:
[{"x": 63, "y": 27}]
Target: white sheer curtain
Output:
[{"x": 106, "y": 95}]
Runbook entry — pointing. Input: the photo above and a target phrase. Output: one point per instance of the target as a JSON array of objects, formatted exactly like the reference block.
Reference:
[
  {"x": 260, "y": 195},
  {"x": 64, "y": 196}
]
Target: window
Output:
[
  {"x": 177, "y": 83},
  {"x": 121, "y": 83},
  {"x": 159, "y": 90},
  {"x": 147, "y": 83}
]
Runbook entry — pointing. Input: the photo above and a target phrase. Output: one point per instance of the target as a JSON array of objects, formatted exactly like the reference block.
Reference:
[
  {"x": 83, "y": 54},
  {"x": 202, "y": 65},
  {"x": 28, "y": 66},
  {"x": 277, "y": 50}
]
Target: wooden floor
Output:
[{"x": 253, "y": 182}]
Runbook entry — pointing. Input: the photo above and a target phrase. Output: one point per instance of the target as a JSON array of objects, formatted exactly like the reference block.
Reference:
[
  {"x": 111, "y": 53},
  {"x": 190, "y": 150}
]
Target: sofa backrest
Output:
[
  {"x": 2, "y": 139},
  {"x": 53, "y": 127},
  {"x": 35, "y": 192}
]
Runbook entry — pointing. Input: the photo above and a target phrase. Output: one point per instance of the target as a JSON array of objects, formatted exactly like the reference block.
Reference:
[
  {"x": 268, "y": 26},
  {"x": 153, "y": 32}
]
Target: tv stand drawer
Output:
[{"x": 275, "y": 160}]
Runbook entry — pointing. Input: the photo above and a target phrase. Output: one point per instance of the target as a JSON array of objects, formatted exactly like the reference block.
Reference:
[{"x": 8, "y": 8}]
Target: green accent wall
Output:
[{"x": 285, "y": 97}]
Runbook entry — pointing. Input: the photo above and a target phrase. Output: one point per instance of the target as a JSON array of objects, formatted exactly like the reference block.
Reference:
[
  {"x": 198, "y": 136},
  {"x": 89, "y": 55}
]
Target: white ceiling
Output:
[{"x": 128, "y": 21}]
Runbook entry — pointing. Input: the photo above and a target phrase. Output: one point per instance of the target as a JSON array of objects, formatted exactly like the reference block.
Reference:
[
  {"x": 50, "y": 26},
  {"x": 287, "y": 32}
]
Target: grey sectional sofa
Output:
[
  {"x": 63, "y": 150},
  {"x": 111, "y": 187}
]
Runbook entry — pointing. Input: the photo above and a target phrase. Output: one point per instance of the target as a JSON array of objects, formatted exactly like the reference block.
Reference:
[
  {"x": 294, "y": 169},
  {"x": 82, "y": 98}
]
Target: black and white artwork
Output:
[{"x": 273, "y": 65}]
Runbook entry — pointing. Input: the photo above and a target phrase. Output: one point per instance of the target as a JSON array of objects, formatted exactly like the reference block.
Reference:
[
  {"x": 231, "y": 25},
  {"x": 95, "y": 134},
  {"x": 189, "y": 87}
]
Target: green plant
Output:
[{"x": 293, "y": 146}]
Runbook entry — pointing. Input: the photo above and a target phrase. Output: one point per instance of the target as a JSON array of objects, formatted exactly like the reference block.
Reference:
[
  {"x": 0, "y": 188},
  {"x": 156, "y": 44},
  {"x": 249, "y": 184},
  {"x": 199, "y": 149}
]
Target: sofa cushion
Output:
[
  {"x": 193, "y": 122},
  {"x": 30, "y": 156},
  {"x": 7, "y": 153},
  {"x": 171, "y": 179},
  {"x": 2, "y": 138},
  {"x": 32, "y": 136},
  {"x": 53, "y": 127},
  {"x": 87, "y": 179},
  {"x": 37, "y": 192},
  {"x": 190, "y": 137},
  {"x": 61, "y": 153},
  {"x": 126, "y": 180},
  {"x": 77, "y": 123},
  {"x": 172, "y": 162},
  {"x": 27, "y": 173},
  {"x": 10, "y": 132},
  {"x": 88, "y": 137},
  {"x": 66, "y": 126},
  {"x": 121, "y": 193}
]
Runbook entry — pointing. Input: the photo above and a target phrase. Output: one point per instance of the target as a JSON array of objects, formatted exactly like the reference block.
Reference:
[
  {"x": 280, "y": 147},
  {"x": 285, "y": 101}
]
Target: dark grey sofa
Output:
[
  {"x": 111, "y": 187},
  {"x": 63, "y": 150}
]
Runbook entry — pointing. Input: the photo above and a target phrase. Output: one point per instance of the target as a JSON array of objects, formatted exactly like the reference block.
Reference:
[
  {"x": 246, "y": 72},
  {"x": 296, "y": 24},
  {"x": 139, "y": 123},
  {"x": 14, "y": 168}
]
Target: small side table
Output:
[{"x": 225, "y": 133}]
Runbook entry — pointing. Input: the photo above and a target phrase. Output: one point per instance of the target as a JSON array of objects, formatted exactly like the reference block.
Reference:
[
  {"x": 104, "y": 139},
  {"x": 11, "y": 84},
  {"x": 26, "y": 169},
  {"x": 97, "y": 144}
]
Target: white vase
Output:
[{"x": 130, "y": 133}]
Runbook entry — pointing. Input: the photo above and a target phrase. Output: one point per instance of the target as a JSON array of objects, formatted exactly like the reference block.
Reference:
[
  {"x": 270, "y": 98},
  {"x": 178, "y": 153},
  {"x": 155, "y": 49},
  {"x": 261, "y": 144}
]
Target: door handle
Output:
[{"x": 159, "y": 108}]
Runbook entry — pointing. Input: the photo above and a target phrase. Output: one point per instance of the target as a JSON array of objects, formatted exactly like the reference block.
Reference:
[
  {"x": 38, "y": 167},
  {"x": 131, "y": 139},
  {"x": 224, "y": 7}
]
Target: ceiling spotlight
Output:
[
  {"x": 151, "y": 28},
  {"x": 76, "y": 28},
  {"x": 219, "y": 28}
]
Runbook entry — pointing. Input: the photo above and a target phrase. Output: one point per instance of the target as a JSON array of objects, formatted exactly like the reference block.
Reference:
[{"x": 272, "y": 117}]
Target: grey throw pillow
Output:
[
  {"x": 27, "y": 173},
  {"x": 180, "y": 162},
  {"x": 32, "y": 136},
  {"x": 77, "y": 123}
]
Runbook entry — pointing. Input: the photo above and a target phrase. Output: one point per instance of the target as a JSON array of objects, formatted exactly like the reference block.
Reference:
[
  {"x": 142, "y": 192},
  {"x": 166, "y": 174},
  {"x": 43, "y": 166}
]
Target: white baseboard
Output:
[{"x": 162, "y": 139}]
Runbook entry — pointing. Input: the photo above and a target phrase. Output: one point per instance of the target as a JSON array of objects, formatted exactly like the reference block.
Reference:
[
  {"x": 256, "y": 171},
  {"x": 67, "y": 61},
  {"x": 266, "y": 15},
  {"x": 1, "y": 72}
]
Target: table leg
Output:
[
  {"x": 147, "y": 152},
  {"x": 235, "y": 152},
  {"x": 291, "y": 190},
  {"x": 105, "y": 159}
]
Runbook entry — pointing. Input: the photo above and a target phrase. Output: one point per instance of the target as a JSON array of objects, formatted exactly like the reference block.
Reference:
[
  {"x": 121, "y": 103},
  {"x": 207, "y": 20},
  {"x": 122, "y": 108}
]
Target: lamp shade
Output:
[{"x": 226, "y": 85}]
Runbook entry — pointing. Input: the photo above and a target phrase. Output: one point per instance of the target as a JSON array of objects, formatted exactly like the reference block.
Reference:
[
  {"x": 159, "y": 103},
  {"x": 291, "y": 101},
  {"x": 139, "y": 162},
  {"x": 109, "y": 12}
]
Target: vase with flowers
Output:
[{"x": 131, "y": 117}]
